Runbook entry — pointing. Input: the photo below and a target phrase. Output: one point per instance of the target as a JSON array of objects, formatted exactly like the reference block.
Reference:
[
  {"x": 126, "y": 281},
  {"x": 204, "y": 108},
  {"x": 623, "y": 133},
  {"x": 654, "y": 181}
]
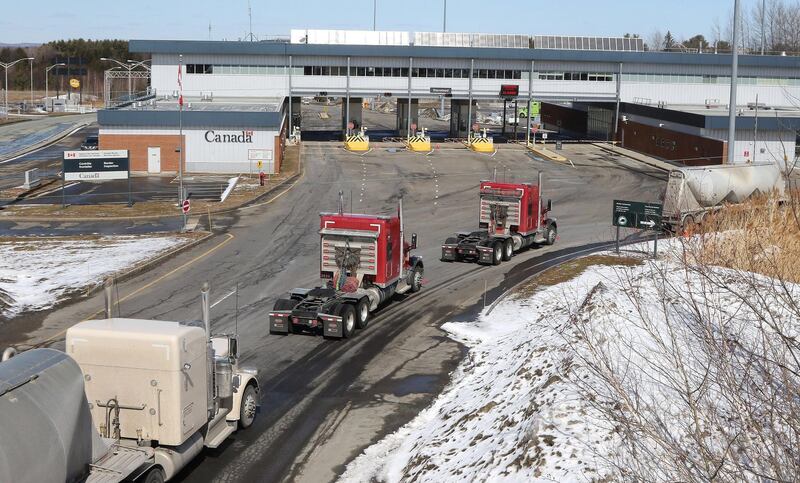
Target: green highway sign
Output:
[{"x": 638, "y": 215}]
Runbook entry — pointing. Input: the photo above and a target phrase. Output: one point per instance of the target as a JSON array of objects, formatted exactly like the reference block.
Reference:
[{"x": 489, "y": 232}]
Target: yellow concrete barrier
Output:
[
  {"x": 546, "y": 153},
  {"x": 482, "y": 143},
  {"x": 419, "y": 143},
  {"x": 358, "y": 142}
]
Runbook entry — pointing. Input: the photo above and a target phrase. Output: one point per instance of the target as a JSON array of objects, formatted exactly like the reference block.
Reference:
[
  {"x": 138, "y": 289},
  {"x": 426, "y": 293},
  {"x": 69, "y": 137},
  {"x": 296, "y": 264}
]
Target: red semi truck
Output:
[
  {"x": 511, "y": 218},
  {"x": 365, "y": 261}
]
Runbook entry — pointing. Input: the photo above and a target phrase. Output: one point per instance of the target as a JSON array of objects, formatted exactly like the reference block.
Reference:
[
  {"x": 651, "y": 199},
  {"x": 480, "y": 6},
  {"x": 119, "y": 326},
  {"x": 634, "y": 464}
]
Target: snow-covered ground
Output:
[
  {"x": 531, "y": 401},
  {"x": 35, "y": 274}
]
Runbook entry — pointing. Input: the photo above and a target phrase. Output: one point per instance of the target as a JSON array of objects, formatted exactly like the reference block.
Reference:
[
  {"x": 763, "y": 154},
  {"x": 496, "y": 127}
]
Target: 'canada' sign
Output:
[{"x": 240, "y": 137}]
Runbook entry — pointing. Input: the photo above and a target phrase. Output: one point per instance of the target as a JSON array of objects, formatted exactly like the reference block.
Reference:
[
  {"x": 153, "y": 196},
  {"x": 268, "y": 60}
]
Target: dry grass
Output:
[
  {"x": 569, "y": 270},
  {"x": 759, "y": 236}
]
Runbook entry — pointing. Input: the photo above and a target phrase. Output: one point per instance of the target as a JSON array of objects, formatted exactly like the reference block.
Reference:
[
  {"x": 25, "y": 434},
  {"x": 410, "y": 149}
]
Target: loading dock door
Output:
[{"x": 154, "y": 160}]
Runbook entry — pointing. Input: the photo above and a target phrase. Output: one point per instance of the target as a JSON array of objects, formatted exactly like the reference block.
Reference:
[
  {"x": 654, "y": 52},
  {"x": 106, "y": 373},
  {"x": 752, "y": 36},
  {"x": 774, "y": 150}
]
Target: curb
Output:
[
  {"x": 151, "y": 217},
  {"x": 648, "y": 163},
  {"x": 45, "y": 143},
  {"x": 124, "y": 276}
]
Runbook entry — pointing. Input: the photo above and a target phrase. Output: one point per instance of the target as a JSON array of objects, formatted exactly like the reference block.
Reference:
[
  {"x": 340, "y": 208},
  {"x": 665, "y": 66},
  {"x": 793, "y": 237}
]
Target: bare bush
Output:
[{"x": 694, "y": 362}]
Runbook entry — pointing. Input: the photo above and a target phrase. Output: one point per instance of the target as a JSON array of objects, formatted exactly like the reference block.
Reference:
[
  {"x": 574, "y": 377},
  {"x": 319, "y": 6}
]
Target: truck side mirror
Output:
[
  {"x": 413, "y": 241},
  {"x": 549, "y": 205},
  {"x": 233, "y": 349}
]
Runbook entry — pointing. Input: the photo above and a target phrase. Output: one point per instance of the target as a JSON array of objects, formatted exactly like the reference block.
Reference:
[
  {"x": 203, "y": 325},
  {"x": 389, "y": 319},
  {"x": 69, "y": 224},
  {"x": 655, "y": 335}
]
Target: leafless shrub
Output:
[{"x": 695, "y": 367}]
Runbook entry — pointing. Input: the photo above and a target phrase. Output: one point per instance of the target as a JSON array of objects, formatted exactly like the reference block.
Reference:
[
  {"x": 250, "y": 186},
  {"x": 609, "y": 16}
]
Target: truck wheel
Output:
[
  {"x": 497, "y": 253},
  {"x": 348, "y": 315},
  {"x": 247, "y": 411},
  {"x": 285, "y": 304},
  {"x": 550, "y": 234},
  {"x": 362, "y": 313},
  {"x": 508, "y": 250},
  {"x": 155, "y": 475},
  {"x": 416, "y": 280}
]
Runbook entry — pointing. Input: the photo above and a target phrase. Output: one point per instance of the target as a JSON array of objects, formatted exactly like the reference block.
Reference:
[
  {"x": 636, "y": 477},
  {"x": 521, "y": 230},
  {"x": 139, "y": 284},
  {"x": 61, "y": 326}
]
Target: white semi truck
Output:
[
  {"x": 130, "y": 400},
  {"x": 693, "y": 192}
]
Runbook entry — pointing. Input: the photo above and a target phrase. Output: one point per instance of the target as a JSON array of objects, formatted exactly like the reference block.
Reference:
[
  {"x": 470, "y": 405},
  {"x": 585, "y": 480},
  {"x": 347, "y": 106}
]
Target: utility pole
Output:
[
  {"x": 755, "y": 132},
  {"x": 444, "y": 18},
  {"x": 763, "y": 25},
  {"x": 31, "y": 85},
  {"x": 374, "y": 15},
  {"x": 734, "y": 85}
]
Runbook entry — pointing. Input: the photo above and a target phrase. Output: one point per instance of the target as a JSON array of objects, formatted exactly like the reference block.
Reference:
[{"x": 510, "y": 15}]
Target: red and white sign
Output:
[
  {"x": 413, "y": 126},
  {"x": 747, "y": 153},
  {"x": 350, "y": 125},
  {"x": 534, "y": 129},
  {"x": 185, "y": 206},
  {"x": 475, "y": 127}
]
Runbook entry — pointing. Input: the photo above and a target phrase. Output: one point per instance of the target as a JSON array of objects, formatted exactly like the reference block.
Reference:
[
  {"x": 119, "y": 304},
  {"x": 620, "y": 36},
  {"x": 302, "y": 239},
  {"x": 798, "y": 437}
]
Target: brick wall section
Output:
[
  {"x": 676, "y": 146},
  {"x": 280, "y": 143},
  {"x": 566, "y": 120},
  {"x": 137, "y": 145}
]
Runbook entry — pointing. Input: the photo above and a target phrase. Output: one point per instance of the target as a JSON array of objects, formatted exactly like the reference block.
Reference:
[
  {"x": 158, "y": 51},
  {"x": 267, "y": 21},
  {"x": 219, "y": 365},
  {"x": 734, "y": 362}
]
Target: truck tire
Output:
[
  {"x": 497, "y": 253},
  {"x": 348, "y": 314},
  {"x": 247, "y": 410},
  {"x": 285, "y": 304},
  {"x": 550, "y": 234},
  {"x": 155, "y": 475},
  {"x": 362, "y": 313},
  {"x": 508, "y": 250},
  {"x": 416, "y": 280}
]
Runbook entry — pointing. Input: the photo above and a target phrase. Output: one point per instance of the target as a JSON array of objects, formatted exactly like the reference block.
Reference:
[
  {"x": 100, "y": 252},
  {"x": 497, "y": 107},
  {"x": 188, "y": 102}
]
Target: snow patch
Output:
[{"x": 37, "y": 274}]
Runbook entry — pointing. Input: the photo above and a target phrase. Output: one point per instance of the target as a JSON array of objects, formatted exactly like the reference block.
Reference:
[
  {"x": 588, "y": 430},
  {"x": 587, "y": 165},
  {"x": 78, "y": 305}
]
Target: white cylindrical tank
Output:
[
  {"x": 712, "y": 185},
  {"x": 46, "y": 429}
]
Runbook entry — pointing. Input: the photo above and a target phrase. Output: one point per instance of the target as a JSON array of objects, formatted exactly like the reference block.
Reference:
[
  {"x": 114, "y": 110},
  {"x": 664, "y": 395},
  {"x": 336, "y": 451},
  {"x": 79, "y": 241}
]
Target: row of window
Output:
[
  {"x": 504, "y": 74},
  {"x": 709, "y": 79},
  {"x": 577, "y": 76}
]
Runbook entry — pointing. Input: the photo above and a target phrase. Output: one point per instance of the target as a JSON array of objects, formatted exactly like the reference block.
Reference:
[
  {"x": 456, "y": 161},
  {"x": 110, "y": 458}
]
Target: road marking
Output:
[
  {"x": 302, "y": 175},
  {"x": 145, "y": 287},
  {"x": 222, "y": 299},
  {"x": 68, "y": 185}
]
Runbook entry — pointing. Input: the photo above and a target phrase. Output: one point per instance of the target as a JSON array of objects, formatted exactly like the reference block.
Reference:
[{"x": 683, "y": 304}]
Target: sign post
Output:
[
  {"x": 185, "y": 205},
  {"x": 640, "y": 216}
]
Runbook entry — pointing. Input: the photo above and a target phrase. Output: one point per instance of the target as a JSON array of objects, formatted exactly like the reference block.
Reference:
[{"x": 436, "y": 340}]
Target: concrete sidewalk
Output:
[
  {"x": 642, "y": 158},
  {"x": 22, "y": 137}
]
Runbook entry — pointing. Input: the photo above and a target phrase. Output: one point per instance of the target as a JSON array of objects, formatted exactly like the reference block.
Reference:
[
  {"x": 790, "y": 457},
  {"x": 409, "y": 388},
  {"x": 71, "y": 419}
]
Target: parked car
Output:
[{"x": 90, "y": 144}]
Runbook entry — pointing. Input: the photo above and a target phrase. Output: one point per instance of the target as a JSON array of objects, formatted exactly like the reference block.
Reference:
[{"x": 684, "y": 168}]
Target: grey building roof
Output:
[
  {"x": 768, "y": 120},
  {"x": 191, "y": 119},
  {"x": 282, "y": 48}
]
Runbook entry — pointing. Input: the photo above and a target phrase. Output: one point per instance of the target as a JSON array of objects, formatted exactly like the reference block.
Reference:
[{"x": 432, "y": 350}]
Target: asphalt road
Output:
[
  {"x": 48, "y": 159},
  {"x": 324, "y": 401}
]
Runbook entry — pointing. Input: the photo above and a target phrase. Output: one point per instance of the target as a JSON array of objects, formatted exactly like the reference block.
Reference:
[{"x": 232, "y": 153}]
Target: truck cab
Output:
[
  {"x": 364, "y": 261},
  {"x": 511, "y": 217}
]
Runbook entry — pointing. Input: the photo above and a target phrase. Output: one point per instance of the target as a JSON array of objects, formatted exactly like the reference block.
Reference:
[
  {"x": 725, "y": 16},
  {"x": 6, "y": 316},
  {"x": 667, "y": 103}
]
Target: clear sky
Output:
[{"x": 44, "y": 20}]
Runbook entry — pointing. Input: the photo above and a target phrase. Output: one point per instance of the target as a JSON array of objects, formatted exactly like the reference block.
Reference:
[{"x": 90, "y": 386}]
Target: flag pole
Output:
[{"x": 180, "y": 131}]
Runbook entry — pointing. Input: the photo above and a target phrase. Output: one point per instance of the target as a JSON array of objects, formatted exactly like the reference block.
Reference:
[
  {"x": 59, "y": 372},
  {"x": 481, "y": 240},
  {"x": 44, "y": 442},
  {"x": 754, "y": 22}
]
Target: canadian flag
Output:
[{"x": 180, "y": 84}]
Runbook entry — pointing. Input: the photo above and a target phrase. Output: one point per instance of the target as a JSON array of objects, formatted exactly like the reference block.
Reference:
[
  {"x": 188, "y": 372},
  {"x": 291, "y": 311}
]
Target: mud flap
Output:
[
  {"x": 279, "y": 324},
  {"x": 332, "y": 327},
  {"x": 485, "y": 255}
]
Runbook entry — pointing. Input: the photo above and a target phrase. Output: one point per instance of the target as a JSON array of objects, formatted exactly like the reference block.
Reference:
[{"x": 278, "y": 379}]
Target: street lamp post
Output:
[
  {"x": 47, "y": 83},
  {"x": 5, "y": 66}
]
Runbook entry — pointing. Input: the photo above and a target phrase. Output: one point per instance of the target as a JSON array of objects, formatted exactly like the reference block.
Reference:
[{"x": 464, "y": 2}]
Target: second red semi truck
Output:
[
  {"x": 512, "y": 217},
  {"x": 365, "y": 260}
]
